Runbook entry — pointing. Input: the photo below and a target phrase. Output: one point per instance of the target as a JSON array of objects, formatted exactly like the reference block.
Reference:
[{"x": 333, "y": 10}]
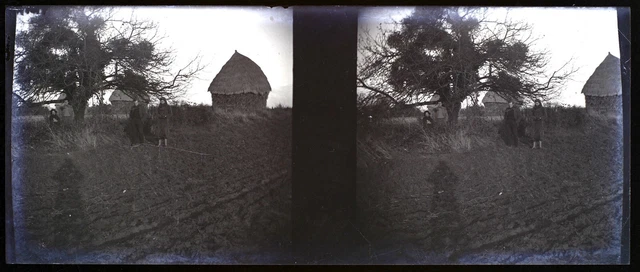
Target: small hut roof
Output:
[
  {"x": 240, "y": 75},
  {"x": 606, "y": 79},
  {"x": 493, "y": 97},
  {"x": 60, "y": 97},
  {"x": 119, "y": 95},
  {"x": 433, "y": 98}
]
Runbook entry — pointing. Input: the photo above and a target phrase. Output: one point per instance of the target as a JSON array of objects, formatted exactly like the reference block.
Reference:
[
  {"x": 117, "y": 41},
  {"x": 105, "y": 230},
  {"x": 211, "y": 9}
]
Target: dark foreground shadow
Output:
[
  {"x": 69, "y": 228},
  {"x": 426, "y": 232},
  {"x": 446, "y": 235}
]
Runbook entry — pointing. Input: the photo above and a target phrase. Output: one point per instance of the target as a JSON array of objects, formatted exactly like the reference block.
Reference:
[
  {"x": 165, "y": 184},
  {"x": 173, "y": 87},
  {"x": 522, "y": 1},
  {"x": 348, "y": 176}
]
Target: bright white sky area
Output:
[
  {"x": 263, "y": 34},
  {"x": 586, "y": 34}
]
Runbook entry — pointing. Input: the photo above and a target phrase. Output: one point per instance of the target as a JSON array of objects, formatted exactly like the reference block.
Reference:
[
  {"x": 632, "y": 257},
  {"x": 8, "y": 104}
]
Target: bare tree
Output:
[
  {"x": 83, "y": 51},
  {"x": 455, "y": 53}
]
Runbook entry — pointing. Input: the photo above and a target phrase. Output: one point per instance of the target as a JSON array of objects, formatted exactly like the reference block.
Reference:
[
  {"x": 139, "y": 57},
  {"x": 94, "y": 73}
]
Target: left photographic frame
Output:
[{"x": 150, "y": 135}]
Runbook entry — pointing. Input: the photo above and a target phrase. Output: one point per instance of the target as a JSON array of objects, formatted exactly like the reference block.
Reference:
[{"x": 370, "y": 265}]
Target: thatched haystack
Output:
[
  {"x": 240, "y": 84},
  {"x": 121, "y": 102},
  {"x": 603, "y": 90}
]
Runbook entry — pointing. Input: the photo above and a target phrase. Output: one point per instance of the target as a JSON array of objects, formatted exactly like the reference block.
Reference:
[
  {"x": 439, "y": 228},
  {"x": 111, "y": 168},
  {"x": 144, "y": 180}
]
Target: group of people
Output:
[
  {"x": 512, "y": 122},
  {"x": 67, "y": 115},
  {"x": 135, "y": 127},
  {"x": 440, "y": 114},
  {"x": 512, "y": 119}
]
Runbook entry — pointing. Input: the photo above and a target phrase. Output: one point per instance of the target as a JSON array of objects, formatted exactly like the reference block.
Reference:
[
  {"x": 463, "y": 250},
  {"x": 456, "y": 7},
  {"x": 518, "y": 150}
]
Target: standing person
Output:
[
  {"x": 511, "y": 119},
  {"x": 163, "y": 113},
  {"x": 54, "y": 119},
  {"x": 427, "y": 121},
  {"x": 67, "y": 112},
  {"x": 135, "y": 121},
  {"x": 538, "y": 117},
  {"x": 440, "y": 114}
]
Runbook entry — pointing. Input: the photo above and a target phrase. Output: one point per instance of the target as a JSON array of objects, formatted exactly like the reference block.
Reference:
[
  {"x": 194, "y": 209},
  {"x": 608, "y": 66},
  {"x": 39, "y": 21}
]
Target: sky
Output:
[
  {"x": 263, "y": 34},
  {"x": 586, "y": 34}
]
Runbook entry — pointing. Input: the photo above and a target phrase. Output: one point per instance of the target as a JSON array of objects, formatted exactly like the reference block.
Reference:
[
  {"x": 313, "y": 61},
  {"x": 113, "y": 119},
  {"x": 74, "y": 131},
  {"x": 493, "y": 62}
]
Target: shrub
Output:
[
  {"x": 372, "y": 152},
  {"x": 377, "y": 112},
  {"x": 103, "y": 129},
  {"x": 61, "y": 138},
  {"x": 466, "y": 135},
  {"x": 100, "y": 110},
  {"x": 281, "y": 106},
  {"x": 191, "y": 115},
  {"x": 201, "y": 115},
  {"x": 30, "y": 111},
  {"x": 559, "y": 116},
  {"x": 472, "y": 111},
  {"x": 477, "y": 132}
]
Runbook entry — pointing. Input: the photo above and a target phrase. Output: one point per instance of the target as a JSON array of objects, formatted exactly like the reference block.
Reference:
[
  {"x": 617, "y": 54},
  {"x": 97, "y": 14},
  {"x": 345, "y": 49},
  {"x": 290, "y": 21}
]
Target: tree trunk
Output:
[
  {"x": 79, "y": 108},
  {"x": 453, "y": 109}
]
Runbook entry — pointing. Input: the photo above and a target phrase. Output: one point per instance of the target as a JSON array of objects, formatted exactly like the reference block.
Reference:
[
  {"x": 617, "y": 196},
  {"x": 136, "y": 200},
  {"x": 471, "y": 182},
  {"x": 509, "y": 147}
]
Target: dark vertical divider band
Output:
[
  {"x": 324, "y": 132},
  {"x": 624, "y": 34}
]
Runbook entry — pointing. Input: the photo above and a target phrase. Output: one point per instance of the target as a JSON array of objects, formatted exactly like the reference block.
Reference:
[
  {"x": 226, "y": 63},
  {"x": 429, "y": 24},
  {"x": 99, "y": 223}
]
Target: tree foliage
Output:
[
  {"x": 454, "y": 53},
  {"x": 83, "y": 51}
]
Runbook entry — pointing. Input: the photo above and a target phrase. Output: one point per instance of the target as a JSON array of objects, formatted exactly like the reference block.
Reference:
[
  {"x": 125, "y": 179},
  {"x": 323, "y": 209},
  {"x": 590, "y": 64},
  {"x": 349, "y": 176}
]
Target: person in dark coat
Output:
[
  {"x": 163, "y": 113},
  {"x": 522, "y": 128},
  {"x": 427, "y": 121},
  {"x": 539, "y": 115},
  {"x": 128, "y": 130},
  {"x": 511, "y": 120},
  {"x": 135, "y": 121},
  {"x": 54, "y": 119}
]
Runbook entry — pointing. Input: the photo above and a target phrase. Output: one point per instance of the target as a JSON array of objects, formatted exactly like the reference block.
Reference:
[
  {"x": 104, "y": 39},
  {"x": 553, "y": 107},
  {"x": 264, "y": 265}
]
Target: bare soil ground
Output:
[
  {"x": 496, "y": 204},
  {"x": 117, "y": 204}
]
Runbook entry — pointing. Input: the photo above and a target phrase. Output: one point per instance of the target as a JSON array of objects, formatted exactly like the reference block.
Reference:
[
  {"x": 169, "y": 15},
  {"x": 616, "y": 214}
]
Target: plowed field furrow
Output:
[
  {"x": 143, "y": 203},
  {"x": 497, "y": 201}
]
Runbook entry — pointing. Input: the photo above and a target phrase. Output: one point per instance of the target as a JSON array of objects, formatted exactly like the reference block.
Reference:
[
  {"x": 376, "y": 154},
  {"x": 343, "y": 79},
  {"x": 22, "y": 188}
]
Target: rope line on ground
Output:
[{"x": 180, "y": 149}]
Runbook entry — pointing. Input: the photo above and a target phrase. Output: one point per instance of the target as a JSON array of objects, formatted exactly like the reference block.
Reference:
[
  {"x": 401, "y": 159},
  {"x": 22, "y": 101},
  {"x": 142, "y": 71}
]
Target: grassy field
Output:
[
  {"x": 463, "y": 197},
  {"x": 417, "y": 120},
  {"x": 83, "y": 195}
]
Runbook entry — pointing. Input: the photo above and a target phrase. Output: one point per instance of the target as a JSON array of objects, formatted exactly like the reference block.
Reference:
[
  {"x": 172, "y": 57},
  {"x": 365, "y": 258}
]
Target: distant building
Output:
[
  {"x": 121, "y": 102},
  {"x": 494, "y": 104},
  {"x": 240, "y": 84},
  {"x": 433, "y": 98},
  {"x": 603, "y": 90}
]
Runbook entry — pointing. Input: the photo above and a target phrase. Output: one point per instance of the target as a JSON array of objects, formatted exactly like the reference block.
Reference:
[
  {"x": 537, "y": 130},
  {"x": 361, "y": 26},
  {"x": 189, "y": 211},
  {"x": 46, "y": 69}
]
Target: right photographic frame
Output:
[{"x": 492, "y": 135}]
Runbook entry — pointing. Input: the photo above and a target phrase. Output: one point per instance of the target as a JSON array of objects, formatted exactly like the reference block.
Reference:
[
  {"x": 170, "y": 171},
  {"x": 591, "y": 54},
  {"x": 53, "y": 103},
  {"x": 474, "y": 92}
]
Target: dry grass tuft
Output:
[{"x": 459, "y": 141}]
